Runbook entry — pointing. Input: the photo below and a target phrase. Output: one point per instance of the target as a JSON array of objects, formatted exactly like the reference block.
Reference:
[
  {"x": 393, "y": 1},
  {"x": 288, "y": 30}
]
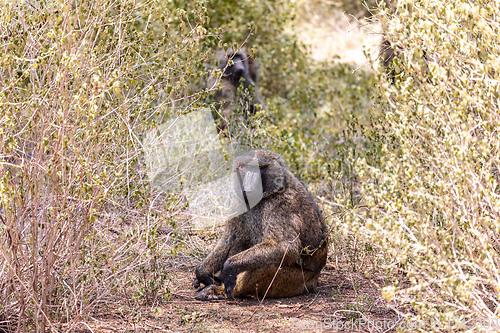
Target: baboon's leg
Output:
[
  {"x": 225, "y": 98},
  {"x": 290, "y": 281},
  {"x": 253, "y": 68},
  {"x": 266, "y": 254},
  {"x": 317, "y": 260},
  {"x": 210, "y": 293}
]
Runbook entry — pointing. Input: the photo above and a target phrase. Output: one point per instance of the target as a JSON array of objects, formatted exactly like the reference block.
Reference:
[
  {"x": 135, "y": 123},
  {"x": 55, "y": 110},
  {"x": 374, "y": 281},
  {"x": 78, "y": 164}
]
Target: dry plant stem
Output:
[
  {"x": 39, "y": 307},
  {"x": 435, "y": 203},
  {"x": 71, "y": 125},
  {"x": 274, "y": 277},
  {"x": 279, "y": 267}
]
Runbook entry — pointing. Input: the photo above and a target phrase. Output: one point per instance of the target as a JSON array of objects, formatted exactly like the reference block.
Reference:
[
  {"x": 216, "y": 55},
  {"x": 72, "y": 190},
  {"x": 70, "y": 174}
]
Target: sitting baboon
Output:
[
  {"x": 239, "y": 70},
  {"x": 277, "y": 246}
]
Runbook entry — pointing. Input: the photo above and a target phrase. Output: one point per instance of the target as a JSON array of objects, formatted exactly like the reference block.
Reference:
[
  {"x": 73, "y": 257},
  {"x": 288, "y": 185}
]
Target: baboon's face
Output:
[
  {"x": 234, "y": 65},
  {"x": 258, "y": 174}
]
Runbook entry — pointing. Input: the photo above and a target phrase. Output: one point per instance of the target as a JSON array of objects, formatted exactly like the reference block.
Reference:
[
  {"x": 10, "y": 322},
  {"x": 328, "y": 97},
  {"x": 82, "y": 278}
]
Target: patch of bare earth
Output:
[
  {"x": 347, "y": 302},
  {"x": 331, "y": 33}
]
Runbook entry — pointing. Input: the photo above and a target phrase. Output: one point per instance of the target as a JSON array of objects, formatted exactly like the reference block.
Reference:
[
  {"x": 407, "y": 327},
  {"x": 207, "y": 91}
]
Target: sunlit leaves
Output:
[{"x": 435, "y": 201}]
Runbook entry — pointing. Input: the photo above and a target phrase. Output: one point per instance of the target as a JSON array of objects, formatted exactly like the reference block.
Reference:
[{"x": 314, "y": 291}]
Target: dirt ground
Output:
[{"x": 346, "y": 302}]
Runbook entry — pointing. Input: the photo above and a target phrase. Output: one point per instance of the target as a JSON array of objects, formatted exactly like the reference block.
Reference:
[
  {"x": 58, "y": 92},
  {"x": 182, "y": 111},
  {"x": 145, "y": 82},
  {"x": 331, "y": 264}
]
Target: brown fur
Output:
[
  {"x": 282, "y": 233},
  {"x": 387, "y": 53}
]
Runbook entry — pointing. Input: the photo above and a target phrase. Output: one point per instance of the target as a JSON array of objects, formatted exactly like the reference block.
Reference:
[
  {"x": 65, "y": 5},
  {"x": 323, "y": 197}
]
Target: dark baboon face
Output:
[{"x": 234, "y": 65}]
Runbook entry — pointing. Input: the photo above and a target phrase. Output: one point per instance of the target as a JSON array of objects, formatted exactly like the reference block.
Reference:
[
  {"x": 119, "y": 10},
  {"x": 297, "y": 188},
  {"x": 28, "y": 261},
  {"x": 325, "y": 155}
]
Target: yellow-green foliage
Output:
[
  {"x": 434, "y": 199},
  {"x": 79, "y": 84}
]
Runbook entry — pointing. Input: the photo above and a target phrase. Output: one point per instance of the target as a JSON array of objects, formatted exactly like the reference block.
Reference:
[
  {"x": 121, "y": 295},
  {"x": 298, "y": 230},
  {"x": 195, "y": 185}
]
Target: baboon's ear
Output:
[{"x": 273, "y": 178}]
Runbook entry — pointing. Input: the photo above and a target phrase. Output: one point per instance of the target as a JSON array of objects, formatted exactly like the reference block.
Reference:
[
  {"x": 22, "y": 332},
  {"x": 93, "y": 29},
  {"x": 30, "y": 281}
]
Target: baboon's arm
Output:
[
  {"x": 267, "y": 253},
  {"x": 214, "y": 262}
]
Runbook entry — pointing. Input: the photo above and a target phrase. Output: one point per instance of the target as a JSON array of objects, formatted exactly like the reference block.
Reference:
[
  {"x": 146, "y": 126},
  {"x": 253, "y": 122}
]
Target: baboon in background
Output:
[
  {"x": 278, "y": 247},
  {"x": 238, "y": 68},
  {"x": 388, "y": 53}
]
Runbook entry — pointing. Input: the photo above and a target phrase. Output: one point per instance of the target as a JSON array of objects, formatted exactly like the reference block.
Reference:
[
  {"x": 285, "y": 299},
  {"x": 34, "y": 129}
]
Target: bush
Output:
[
  {"x": 433, "y": 199},
  {"x": 80, "y": 83}
]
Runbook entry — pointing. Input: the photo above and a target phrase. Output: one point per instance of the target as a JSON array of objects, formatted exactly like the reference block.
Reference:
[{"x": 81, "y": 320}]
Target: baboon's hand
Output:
[
  {"x": 202, "y": 278},
  {"x": 229, "y": 292},
  {"x": 211, "y": 293},
  {"x": 229, "y": 276},
  {"x": 196, "y": 283},
  {"x": 205, "y": 279}
]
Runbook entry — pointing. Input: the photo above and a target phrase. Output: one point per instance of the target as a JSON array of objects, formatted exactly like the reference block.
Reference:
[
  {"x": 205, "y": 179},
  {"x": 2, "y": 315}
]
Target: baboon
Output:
[
  {"x": 277, "y": 247},
  {"x": 388, "y": 53},
  {"x": 239, "y": 70}
]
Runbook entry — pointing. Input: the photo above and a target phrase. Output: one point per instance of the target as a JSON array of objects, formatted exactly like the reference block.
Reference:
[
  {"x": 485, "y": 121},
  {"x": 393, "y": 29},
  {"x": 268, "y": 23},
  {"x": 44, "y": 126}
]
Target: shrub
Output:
[
  {"x": 80, "y": 85},
  {"x": 80, "y": 82},
  {"x": 433, "y": 199}
]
